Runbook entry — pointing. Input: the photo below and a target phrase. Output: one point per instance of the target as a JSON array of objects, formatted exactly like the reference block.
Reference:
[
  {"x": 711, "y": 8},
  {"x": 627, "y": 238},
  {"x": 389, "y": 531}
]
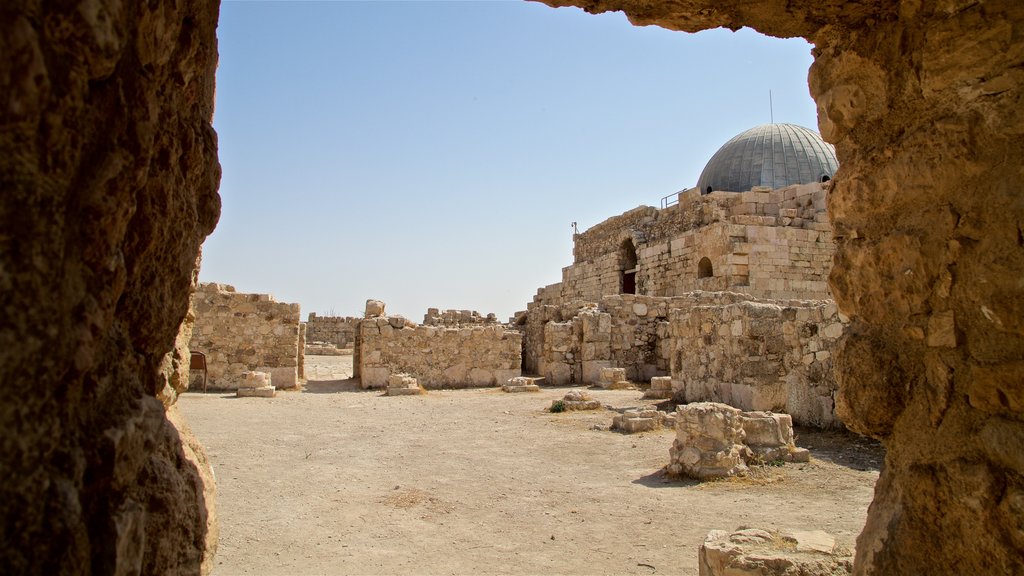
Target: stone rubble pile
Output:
[
  {"x": 255, "y": 384},
  {"x": 403, "y": 385},
  {"x": 754, "y": 552}
]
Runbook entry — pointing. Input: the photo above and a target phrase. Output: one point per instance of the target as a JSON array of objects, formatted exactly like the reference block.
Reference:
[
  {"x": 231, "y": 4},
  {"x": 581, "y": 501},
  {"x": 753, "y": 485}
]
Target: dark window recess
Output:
[
  {"x": 704, "y": 268},
  {"x": 629, "y": 282}
]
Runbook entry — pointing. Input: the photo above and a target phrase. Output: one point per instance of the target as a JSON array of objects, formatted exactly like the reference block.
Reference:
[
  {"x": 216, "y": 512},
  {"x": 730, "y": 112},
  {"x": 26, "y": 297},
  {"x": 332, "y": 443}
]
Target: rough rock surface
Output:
[
  {"x": 923, "y": 103},
  {"x": 109, "y": 176}
]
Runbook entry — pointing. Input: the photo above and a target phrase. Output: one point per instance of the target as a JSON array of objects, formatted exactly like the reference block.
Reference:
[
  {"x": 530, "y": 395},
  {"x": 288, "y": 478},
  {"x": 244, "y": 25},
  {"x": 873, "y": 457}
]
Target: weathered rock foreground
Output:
[
  {"x": 923, "y": 103},
  {"x": 109, "y": 174}
]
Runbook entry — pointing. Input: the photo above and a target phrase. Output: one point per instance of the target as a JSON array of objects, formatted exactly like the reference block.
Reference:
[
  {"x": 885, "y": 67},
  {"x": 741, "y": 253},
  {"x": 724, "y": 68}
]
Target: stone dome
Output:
[{"x": 773, "y": 155}]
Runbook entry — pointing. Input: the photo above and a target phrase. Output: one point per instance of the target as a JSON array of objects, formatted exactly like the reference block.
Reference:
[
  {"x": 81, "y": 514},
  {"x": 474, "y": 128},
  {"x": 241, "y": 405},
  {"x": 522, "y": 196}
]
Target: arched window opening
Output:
[
  {"x": 704, "y": 268},
  {"x": 825, "y": 178},
  {"x": 628, "y": 260},
  {"x": 708, "y": 191}
]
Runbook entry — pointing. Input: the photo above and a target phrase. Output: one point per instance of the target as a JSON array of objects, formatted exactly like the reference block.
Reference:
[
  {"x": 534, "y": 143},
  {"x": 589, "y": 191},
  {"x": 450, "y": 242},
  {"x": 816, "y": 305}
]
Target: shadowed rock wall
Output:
[
  {"x": 923, "y": 102},
  {"x": 108, "y": 174}
]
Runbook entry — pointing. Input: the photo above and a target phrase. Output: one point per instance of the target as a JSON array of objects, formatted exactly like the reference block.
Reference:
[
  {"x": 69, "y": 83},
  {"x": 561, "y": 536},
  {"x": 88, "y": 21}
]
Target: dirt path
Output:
[{"x": 336, "y": 481}]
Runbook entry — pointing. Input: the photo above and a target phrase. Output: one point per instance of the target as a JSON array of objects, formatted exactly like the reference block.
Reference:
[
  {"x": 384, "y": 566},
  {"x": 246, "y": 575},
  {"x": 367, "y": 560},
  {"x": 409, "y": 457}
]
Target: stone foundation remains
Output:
[
  {"x": 457, "y": 318},
  {"x": 716, "y": 441},
  {"x": 245, "y": 332},
  {"x": 473, "y": 356}
]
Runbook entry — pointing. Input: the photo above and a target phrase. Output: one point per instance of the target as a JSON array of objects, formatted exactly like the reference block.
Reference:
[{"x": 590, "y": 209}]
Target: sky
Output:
[{"x": 435, "y": 154}]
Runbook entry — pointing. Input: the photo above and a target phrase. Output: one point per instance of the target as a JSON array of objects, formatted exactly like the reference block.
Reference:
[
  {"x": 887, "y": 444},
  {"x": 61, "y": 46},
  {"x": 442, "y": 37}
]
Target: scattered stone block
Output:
[
  {"x": 522, "y": 384},
  {"x": 632, "y": 421},
  {"x": 259, "y": 392},
  {"x": 753, "y": 552},
  {"x": 578, "y": 400},
  {"x": 403, "y": 385},
  {"x": 255, "y": 384},
  {"x": 609, "y": 377},
  {"x": 661, "y": 388},
  {"x": 769, "y": 436}
]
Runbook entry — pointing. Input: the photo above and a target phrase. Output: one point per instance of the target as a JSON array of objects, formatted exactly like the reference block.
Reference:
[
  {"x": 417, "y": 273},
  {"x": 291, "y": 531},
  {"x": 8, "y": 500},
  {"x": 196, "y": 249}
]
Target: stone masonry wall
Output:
[
  {"x": 759, "y": 356},
  {"x": 437, "y": 357},
  {"x": 773, "y": 244},
  {"x": 569, "y": 344},
  {"x": 337, "y": 330},
  {"x": 240, "y": 332}
]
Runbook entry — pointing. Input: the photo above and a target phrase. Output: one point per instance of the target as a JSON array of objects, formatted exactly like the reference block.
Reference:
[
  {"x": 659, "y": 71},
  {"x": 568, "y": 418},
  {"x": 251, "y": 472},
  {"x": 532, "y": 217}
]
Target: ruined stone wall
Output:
[
  {"x": 453, "y": 318},
  {"x": 337, "y": 330},
  {"x": 923, "y": 102},
  {"x": 569, "y": 344},
  {"x": 241, "y": 332},
  {"x": 759, "y": 356},
  {"x": 109, "y": 174},
  {"x": 437, "y": 357},
  {"x": 773, "y": 244}
]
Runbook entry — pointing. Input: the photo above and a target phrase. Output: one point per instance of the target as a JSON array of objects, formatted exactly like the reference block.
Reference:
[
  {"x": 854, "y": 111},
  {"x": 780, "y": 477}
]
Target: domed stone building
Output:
[
  {"x": 754, "y": 235},
  {"x": 773, "y": 155}
]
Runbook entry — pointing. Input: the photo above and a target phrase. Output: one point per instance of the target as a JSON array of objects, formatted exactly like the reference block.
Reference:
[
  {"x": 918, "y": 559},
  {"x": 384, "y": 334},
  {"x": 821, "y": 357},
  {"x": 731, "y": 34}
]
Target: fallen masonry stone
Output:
[
  {"x": 661, "y": 388},
  {"x": 254, "y": 379},
  {"x": 607, "y": 377},
  {"x": 256, "y": 392},
  {"x": 632, "y": 421},
  {"x": 522, "y": 384},
  {"x": 754, "y": 552},
  {"x": 578, "y": 400},
  {"x": 403, "y": 385}
]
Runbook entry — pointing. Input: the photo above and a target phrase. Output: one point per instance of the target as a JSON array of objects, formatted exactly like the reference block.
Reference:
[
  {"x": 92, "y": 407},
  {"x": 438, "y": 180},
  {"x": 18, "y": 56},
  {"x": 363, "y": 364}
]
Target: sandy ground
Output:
[{"x": 332, "y": 480}]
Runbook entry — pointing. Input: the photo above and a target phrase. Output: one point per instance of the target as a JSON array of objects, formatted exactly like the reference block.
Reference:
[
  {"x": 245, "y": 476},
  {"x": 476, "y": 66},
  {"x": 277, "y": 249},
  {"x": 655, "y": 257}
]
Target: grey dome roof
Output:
[{"x": 774, "y": 155}]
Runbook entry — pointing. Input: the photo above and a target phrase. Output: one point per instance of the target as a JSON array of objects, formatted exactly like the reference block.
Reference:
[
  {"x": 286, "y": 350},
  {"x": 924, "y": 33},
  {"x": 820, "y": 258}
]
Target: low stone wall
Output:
[
  {"x": 245, "y": 332},
  {"x": 337, "y": 330},
  {"x": 457, "y": 318},
  {"x": 436, "y": 357},
  {"x": 759, "y": 356}
]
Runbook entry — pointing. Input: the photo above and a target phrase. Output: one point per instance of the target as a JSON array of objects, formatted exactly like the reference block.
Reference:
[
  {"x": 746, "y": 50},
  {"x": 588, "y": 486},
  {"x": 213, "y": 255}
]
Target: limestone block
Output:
[
  {"x": 256, "y": 392},
  {"x": 374, "y": 308},
  {"x": 633, "y": 421},
  {"x": 254, "y": 379},
  {"x": 609, "y": 376},
  {"x": 282, "y": 376},
  {"x": 661, "y": 388},
  {"x": 374, "y": 376},
  {"x": 558, "y": 373},
  {"x": 592, "y": 370},
  {"x": 579, "y": 400},
  {"x": 402, "y": 384},
  {"x": 521, "y": 384},
  {"x": 754, "y": 552}
]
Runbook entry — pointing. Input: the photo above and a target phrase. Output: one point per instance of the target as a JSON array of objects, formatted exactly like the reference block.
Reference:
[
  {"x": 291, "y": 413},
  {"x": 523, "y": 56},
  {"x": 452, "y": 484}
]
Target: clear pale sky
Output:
[{"x": 435, "y": 154}]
